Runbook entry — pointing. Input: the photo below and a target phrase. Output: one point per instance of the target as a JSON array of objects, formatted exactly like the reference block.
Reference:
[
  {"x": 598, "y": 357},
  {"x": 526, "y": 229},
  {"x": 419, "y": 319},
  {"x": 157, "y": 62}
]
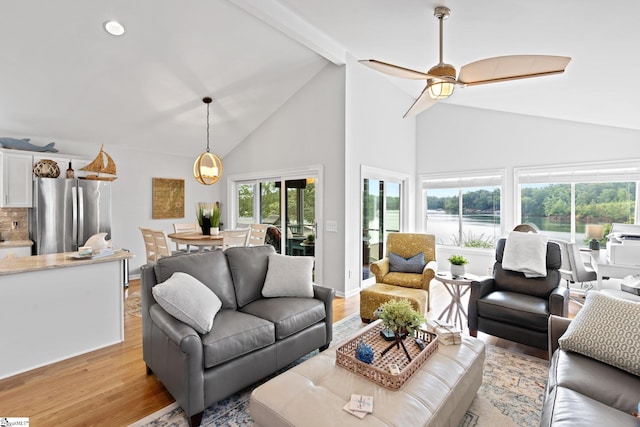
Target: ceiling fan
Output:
[{"x": 441, "y": 79}]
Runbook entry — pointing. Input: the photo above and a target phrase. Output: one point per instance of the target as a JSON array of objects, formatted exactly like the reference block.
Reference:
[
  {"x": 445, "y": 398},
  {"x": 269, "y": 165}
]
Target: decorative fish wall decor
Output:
[{"x": 24, "y": 144}]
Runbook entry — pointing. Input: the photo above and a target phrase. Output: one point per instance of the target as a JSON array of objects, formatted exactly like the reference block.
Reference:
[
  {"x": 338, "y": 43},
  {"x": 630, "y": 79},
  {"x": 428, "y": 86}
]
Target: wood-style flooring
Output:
[{"x": 110, "y": 386}]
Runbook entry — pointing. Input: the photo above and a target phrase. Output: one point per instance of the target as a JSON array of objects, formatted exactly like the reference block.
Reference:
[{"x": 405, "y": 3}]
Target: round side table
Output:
[{"x": 457, "y": 288}]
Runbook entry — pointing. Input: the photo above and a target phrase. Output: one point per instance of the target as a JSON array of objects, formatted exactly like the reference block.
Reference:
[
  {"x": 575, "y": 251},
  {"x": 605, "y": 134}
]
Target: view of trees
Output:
[
  {"x": 478, "y": 201},
  {"x": 597, "y": 202},
  {"x": 270, "y": 201}
]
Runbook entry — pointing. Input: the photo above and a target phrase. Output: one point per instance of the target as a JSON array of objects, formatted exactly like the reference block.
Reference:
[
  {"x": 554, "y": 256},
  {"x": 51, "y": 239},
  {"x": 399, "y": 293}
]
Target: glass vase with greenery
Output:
[
  {"x": 204, "y": 210},
  {"x": 215, "y": 215}
]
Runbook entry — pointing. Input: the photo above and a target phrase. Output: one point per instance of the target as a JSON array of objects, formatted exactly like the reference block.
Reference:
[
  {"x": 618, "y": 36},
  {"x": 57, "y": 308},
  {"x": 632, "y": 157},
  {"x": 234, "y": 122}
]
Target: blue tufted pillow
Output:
[{"x": 399, "y": 264}]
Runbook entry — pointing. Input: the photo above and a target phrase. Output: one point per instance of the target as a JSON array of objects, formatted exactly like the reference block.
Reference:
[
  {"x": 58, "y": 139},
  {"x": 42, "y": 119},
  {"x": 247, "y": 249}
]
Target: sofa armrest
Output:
[
  {"x": 181, "y": 334},
  {"x": 326, "y": 295},
  {"x": 479, "y": 288},
  {"x": 380, "y": 268},
  {"x": 557, "y": 326},
  {"x": 559, "y": 301}
]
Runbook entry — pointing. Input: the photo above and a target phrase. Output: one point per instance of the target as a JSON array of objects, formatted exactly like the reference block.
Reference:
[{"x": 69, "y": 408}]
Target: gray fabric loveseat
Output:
[
  {"x": 594, "y": 374},
  {"x": 250, "y": 337}
]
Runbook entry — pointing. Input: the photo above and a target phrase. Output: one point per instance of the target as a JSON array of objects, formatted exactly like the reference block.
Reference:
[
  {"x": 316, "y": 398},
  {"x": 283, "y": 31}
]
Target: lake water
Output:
[{"x": 487, "y": 227}]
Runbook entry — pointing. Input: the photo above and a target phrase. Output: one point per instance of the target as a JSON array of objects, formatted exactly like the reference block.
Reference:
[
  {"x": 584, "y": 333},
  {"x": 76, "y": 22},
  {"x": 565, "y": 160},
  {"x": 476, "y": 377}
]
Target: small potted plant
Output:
[
  {"x": 310, "y": 239},
  {"x": 457, "y": 265},
  {"x": 401, "y": 318},
  {"x": 215, "y": 219}
]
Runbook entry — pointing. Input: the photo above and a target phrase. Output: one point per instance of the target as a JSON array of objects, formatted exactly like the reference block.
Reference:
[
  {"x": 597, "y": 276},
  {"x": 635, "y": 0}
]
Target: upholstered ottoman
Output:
[
  {"x": 314, "y": 392},
  {"x": 372, "y": 297}
]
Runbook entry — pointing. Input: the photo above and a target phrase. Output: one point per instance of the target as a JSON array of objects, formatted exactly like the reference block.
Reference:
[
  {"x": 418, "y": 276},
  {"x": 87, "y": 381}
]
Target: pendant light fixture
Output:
[{"x": 207, "y": 169}]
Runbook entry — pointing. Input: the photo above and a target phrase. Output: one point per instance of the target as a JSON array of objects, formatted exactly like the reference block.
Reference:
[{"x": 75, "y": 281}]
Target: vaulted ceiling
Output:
[{"x": 64, "y": 78}]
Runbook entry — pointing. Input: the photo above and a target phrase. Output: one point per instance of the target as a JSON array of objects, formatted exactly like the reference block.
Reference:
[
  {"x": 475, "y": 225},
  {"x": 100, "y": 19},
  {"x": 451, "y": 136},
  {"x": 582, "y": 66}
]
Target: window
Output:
[
  {"x": 562, "y": 200},
  {"x": 463, "y": 209}
]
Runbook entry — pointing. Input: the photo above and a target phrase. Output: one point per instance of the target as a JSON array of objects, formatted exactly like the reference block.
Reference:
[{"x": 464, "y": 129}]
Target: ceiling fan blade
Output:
[
  {"x": 503, "y": 68},
  {"x": 394, "y": 70},
  {"x": 423, "y": 102}
]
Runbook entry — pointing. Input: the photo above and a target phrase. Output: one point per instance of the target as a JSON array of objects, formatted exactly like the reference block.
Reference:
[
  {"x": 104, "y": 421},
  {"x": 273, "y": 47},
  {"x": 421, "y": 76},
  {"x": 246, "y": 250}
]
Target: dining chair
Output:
[
  {"x": 161, "y": 244},
  {"x": 149, "y": 244},
  {"x": 185, "y": 228},
  {"x": 257, "y": 234},
  {"x": 232, "y": 238}
]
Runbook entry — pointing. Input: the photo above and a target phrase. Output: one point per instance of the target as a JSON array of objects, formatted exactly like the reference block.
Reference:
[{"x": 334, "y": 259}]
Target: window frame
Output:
[
  {"x": 315, "y": 171},
  {"x": 386, "y": 175},
  {"x": 462, "y": 180},
  {"x": 577, "y": 173}
]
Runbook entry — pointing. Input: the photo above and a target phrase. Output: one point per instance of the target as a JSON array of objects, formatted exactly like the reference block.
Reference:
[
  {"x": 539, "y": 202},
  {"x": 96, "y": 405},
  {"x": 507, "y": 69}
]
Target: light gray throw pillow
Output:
[
  {"x": 606, "y": 329},
  {"x": 188, "y": 300},
  {"x": 289, "y": 276}
]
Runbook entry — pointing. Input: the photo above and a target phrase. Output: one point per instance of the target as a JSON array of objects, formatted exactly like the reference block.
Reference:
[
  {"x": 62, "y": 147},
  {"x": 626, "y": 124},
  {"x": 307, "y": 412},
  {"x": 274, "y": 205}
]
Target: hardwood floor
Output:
[{"x": 110, "y": 386}]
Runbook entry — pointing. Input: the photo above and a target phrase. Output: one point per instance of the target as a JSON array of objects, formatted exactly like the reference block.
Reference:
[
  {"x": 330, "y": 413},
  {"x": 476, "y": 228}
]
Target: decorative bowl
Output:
[{"x": 46, "y": 168}]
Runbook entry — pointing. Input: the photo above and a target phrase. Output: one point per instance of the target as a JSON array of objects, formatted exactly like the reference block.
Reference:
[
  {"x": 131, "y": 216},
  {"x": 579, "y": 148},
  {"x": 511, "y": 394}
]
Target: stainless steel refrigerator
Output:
[{"x": 66, "y": 212}]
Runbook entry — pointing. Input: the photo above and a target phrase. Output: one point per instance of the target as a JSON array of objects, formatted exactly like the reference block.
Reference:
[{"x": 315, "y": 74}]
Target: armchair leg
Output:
[{"x": 473, "y": 333}]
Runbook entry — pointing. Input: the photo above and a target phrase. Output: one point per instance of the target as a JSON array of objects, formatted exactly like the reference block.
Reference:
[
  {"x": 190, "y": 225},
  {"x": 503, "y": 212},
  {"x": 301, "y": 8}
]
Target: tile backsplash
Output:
[{"x": 14, "y": 224}]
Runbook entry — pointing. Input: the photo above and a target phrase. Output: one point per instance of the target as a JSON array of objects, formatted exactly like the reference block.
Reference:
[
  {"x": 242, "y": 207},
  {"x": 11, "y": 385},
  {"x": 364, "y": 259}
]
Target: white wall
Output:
[
  {"x": 307, "y": 130},
  {"x": 454, "y": 138},
  {"x": 376, "y": 136},
  {"x": 132, "y": 192},
  {"x": 485, "y": 139}
]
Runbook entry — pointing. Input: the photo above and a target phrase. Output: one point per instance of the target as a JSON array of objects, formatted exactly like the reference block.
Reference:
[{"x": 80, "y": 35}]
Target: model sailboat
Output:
[{"x": 102, "y": 164}]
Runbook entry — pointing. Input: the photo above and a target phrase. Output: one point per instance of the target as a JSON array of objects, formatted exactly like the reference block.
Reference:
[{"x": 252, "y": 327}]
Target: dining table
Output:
[{"x": 199, "y": 240}]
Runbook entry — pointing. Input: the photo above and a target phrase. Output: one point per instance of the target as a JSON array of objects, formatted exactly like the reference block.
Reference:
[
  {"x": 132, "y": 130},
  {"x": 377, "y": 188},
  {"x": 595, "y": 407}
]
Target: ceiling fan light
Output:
[{"x": 441, "y": 89}]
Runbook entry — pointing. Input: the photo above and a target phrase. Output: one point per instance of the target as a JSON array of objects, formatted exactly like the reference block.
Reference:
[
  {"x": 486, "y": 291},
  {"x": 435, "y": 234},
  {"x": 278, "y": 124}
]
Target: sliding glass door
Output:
[
  {"x": 381, "y": 214},
  {"x": 291, "y": 214}
]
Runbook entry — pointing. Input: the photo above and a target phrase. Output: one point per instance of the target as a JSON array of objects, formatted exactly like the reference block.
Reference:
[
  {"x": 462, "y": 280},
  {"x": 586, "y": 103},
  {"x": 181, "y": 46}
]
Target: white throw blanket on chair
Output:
[{"x": 526, "y": 253}]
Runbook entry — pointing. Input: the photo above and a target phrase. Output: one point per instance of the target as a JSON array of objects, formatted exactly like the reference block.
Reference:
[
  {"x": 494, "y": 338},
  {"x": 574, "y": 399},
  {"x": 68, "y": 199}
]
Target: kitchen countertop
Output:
[
  {"x": 62, "y": 260},
  {"x": 15, "y": 243}
]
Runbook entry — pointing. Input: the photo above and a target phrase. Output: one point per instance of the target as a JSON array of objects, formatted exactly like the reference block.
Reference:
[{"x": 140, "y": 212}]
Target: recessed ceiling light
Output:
[{"x": 114, "y": 28}]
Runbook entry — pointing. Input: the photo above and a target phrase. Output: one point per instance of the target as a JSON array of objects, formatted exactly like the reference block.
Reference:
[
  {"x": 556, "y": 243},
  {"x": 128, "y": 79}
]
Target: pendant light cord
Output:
[{"x": 207, "y": 127}]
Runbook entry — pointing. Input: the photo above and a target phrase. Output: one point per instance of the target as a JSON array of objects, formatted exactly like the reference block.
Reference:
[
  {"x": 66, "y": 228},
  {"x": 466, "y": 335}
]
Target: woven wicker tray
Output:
[{"x": 378, "y": 370}]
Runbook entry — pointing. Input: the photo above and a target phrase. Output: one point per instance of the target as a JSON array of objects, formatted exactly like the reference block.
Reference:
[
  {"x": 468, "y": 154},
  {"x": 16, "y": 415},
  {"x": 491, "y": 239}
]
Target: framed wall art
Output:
[{"x": 168, "y": 198}]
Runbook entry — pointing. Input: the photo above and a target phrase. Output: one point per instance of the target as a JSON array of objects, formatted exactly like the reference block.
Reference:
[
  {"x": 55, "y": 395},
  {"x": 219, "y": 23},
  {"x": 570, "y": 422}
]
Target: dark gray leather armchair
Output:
[{"x": 514, "y": 307}]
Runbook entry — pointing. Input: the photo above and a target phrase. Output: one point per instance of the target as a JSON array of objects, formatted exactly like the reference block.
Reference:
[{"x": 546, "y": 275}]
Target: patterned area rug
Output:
[
  {"x": 511, "y": 393},
  {"x": 132, "y": 304}
]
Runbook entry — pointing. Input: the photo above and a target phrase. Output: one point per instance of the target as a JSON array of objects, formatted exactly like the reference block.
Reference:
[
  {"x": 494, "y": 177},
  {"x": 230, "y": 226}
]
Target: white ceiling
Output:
[{"x": 64, "y": 78}]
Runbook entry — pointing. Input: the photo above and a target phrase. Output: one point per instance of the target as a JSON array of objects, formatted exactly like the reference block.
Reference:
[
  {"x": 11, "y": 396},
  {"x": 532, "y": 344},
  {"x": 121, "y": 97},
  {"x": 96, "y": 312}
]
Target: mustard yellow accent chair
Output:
[{"x": 398, "y": 285}]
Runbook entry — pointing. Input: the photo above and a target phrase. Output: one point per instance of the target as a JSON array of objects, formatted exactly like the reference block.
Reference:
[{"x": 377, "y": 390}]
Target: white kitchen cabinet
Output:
[{"x": 16, "y": 188}]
